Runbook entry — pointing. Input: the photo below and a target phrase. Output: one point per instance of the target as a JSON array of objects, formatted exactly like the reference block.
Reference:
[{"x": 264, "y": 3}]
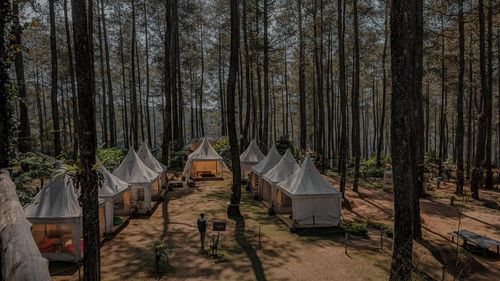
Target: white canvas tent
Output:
[
  {"x": 56, "y": 216},
  {"x": 204, "y": 162},
  {"x": 249, "y": 158},
  {"x": 117, "y": 196},
  {"x": 151, "y": 162},
  {"x": 272, "y": 158},
  {"x": 312, "y": 200},
  {"x": 282, "y": 171},
  {"x": 143, "y": 181}
]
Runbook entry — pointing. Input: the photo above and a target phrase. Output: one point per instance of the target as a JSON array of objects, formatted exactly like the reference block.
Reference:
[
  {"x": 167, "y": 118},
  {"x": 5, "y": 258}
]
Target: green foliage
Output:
[
  {"x": 355, "y": 227},
  {"x": 159, "y": 247},
  {"x": 111, "y": 157},
  {"x": 359, "y": 227},
  {"x": 222, "y": 147},
  {"x": 369, "y": 168},
  {"x": 31, "y": 166},
  {"x": 284, "y": 143},
  {"x": 177, "y": 160}
]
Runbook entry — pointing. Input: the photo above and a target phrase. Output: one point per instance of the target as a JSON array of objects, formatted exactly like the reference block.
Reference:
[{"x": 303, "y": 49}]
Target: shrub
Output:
[
  {"x": 222, "y": 147},
  {"x": 111, "y": 157},
  {"x": 355, "y": 227},
  {"x": 177, "y": 160},
  {"x": 284, "y": 143},
  {"x": 369, "y": 168}
]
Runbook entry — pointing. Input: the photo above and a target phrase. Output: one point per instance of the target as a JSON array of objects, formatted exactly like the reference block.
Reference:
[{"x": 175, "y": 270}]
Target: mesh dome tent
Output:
[
  {"x": 151, "y": 162},
  {"x": 272, "y": 158},
  {"x": 143, "y": 181},
  {"x": 56, "y": 216},
  {"x": 204, "y": 162},
  {"x": 249, "y": 158},
  {"x": 312, "y": 200},
  {"x": 117, "y": 196},
  {"x": 282, "y": 171}
]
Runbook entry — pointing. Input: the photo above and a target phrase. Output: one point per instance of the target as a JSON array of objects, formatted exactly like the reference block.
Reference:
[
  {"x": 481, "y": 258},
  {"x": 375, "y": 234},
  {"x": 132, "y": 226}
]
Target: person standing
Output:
[{"x": 202, "y": 228}]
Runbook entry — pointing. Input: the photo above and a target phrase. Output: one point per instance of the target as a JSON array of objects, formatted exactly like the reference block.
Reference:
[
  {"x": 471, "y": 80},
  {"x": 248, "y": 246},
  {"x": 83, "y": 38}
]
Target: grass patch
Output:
[{"x": 359, "y": 227}]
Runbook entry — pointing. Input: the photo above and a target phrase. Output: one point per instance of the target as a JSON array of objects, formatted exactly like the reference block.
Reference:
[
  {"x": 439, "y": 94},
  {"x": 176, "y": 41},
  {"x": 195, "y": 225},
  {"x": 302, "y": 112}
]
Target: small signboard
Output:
[{"x": 219, "y": 226}]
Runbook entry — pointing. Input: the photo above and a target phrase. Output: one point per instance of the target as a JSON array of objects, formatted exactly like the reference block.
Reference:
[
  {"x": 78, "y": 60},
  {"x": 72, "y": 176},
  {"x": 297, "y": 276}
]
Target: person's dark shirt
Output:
[{"x": 202, "y": 225}]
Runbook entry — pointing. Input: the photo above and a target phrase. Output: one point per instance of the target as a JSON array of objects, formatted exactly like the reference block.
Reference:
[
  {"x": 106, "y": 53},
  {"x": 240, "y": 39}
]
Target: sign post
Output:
[{"x": 217, "y": 226}]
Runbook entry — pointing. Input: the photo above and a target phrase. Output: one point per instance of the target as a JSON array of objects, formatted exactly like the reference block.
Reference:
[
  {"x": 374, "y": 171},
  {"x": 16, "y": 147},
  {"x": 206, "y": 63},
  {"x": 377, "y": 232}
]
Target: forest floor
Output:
[{"x": 282, "y": 255}]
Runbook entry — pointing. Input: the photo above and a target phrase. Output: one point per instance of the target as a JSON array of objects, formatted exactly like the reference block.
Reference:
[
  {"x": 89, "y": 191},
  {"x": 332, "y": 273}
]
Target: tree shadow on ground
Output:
[{"x": 249, "y": 250}]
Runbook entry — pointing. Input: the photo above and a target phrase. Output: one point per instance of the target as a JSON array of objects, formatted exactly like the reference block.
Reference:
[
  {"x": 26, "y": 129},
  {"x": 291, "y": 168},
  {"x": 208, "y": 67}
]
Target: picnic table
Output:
[{"x": 478, "y": 240}]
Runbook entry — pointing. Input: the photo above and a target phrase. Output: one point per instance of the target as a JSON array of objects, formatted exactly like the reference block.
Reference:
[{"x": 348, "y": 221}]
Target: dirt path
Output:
[{"x": 281, "y": 256}]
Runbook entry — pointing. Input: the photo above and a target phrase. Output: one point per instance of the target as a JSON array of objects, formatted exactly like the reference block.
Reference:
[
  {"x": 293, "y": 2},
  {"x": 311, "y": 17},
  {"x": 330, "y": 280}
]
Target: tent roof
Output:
[
  {"x": 111, "y": 185},
  {"x": 307, "y": 181},
  {"x": 252, "y": 154},
  {"x": 133, "y": 170},
  {"x": 149, "y": 160},
  {"x": 205, "y": 152},
  {"x": 272, "y": 158},
  {"x": 283, "y": 170},
  {"x": 56, "y": 200}
]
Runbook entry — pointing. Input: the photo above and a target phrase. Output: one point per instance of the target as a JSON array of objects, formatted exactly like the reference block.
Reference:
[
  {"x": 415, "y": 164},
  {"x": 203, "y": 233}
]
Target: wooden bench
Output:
[{"x": 478, "y": 240}]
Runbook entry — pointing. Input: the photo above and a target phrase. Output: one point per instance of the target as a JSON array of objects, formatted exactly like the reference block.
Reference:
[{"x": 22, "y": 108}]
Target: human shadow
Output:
[{"x": 249, "y": 250}]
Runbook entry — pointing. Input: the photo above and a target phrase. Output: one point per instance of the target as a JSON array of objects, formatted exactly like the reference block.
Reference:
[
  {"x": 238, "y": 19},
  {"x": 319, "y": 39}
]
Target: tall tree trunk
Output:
[
  {"x": 459, "y": 137},
  {"x": 41, "y": 122},
  {"x": 489, "y": 102},
  {"x": 6, "y": 103},
  {"x": 139, "y": 86},
  {"x": 202, "y": 81},
  {"x": 173, "y": 73},
  {"x": 442, "y": 119},
  {"x": 148, "y": 117},
  {"x": 221, "y": 86},
  {"x": 71, "y": 70},
  {"x": 234, "y": 207},
  {"x": 134, "y": 109},
  {"x": 24, "y": 141},
  {"x": 111, "y": 99},
  {"x": 406, "y": 56},
  {"x": 104, "y": 106},
  {"x": 343, "y": 101},
  {"x": 477, "y": 173},
  {"x": 88, "y": 180},
  {"x": 384, "y": 89},
  {"x": 470, "y": 136},
  {"x": 355, "y": 101},
  {"x": 302, "y": 82},
  {"x": 167, "y": 128},
  {"x": 247, "y": 72},
  {"x": 53, "y": 87},
  {"x": 265, "y": 128},
  {"x": 124, "y": 85}
]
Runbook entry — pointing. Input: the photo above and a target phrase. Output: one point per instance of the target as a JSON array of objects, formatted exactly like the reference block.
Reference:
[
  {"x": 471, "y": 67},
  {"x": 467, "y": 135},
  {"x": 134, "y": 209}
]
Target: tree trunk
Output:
[
  {"x": 53, "y": 89},
  {"x": 234, "y": 207},
  {"x": 302, "y": 82},
  {"x": 477, "y": 173},
  {"x": 6, "y": 103},
  {"x": 41, "y": 122},
  {"x": 167, "y": 129},
  {"x": 124, "y": 85},
  {"x": 202, "y": 81},
  {"x": 489, "y": 102},
  {"x": 111, "y": 100},
  {"x": 134, "y": 109},
  {"x": 104, "y": 106},
  {"x": 221, "y": 86},
  {"x": 265, "y": 128},
  {"x": 355, "y": 101},
  {"x": 343, "y": 102},
  {"x": 88, "y": 180},
  {"x": 459, "y": 137},
  {"x": 406, "y": 44},
  {"x": 247, "y": 72},
  {"x": 24, "y": 141}
]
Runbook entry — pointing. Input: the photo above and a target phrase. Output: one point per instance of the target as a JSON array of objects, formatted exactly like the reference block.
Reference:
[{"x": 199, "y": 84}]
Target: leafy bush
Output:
[
  {"x": 222, "y": 147},
  {"x": 355, "y": 227},
  {"x": 386, "y": 228},
  {"x": 284, "y": 143},
  {"x": 177, "y": 160},
  {"x": 111, "y": 157},
  {"x": 32, "y": 166},
  {"x": 369, "y": 168}
]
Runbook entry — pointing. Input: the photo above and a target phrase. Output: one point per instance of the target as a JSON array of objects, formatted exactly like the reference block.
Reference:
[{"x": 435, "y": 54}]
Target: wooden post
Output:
[
  {"x": 345, "y": 244},
  {"x": 259, "y": 237},
  {"x": 20, "y": 257}
]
